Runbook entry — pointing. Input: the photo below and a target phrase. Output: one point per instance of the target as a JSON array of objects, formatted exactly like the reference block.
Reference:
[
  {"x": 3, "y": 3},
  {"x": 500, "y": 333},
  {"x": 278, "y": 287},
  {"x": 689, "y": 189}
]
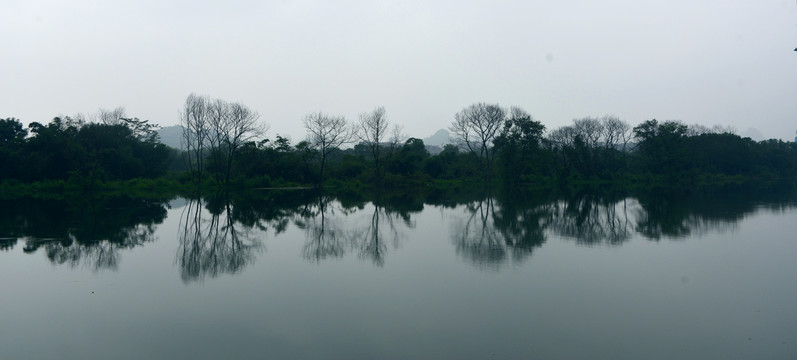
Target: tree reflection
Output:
[
  {"x": 81, "y": 231},
  {"x": 492, "y": 235},
  {"x": 222, "y": 234},
  {"x": 6, "y": 244},
  {"x": 497, "y": 232},
  {"x": 522, "y": 224},
  {"x": 211, "y": 241},
  {"x": 382, "y": 229},
  {"x": 677, "y": 215},
  {"x": 325, "y": 237},
  {"x": 476, "y": 238},
  {"x": 612, "y": 218},
  {"x": 328, "y": 236},
  {"x": 593, "y": 219}
]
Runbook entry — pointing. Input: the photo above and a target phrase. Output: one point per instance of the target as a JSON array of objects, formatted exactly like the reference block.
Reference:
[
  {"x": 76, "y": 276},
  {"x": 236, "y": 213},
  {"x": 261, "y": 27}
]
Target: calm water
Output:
[{"x": 293, "y": 275}]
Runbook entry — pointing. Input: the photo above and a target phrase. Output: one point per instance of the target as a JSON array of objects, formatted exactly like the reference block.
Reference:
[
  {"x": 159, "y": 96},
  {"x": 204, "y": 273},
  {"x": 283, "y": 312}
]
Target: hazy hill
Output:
[
  {"x": 440, "y": 138},
  {"x": 170, "y": 136}
]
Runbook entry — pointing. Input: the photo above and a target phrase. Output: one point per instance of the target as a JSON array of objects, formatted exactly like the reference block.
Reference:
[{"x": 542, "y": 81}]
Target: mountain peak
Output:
[{"x": 440, "y": 138}]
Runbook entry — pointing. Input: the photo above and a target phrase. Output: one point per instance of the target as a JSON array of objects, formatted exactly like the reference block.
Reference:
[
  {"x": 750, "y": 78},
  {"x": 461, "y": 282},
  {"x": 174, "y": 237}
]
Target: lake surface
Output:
[{"x": 295, "y": 275}]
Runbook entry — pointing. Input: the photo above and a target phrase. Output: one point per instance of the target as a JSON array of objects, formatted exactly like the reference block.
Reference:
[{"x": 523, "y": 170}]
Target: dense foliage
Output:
[
  {"x": 659, "y": 154},
  {"x": 592, "y": 150},
  {"x": 69, "y": 150}
]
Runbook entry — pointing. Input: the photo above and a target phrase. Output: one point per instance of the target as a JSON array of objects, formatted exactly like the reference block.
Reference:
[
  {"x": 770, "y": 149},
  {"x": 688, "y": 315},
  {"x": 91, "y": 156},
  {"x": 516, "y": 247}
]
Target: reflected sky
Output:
[{"x": 307, "y": 275}]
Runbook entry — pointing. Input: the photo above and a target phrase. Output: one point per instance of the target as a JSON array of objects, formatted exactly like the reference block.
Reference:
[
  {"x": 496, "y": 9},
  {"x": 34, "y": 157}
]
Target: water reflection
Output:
[
  {"x": 383, "y": 230},
  {"x": 491, "y": 235},
  {"x": 212, "y": 241},
  {"x": 225, "y": 233},
  {"x": 324, "y": 234},
  {"x": 85, "y": 231},
  {"x": 495, "y": 231},
  {"x": 6, "y": 244},
  {"x": 678, "y": 215},
  {"x": 594, "y": 219},
  {"x": 332, "y": 228}
]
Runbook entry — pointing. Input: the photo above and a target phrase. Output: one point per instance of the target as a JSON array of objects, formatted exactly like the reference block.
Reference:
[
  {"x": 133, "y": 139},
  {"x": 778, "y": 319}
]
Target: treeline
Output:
[
  {"x": 71, "y": 149},
  {"x": 510, "y": 147},
  {"x": 224, "y": 145}
]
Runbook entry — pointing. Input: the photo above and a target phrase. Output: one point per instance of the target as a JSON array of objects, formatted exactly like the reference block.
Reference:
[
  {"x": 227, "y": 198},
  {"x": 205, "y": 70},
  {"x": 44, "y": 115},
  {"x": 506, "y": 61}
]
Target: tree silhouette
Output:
[
  {"x": 476, "y": 128},
  {"x": 325, "y": 134}
]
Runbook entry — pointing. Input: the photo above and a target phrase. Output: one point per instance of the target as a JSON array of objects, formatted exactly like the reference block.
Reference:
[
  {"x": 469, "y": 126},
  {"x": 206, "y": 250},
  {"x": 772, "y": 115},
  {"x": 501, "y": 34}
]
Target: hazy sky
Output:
[{"x": 707, "y": 62}]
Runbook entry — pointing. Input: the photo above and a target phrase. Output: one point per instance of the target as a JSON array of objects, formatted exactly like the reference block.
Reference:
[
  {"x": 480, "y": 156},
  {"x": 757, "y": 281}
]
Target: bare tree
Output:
[
  {"x": 476, "y": 127},
  {"x": 218, "y": 119},
  {"x": 218, "y": 128},
  {"x": 102, "y": 116},
  {"x": 616, "y": 133},
  {"x": 608, "y": 131},
  {"x": 194, "y": 121},
  {"x": 326, "y": 134},
  {"x": 372, "y": 130},
  {"x": 590, "y": 130},
  {"x": 562, "y": 137},
  {"x": 111, "y": 117},
  {"x": 243, "y": 126}
]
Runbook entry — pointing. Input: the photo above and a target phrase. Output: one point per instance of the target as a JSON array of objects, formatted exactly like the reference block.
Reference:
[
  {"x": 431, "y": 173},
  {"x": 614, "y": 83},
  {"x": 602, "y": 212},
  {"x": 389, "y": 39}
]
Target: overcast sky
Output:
[{"x": 707, "y": 62}]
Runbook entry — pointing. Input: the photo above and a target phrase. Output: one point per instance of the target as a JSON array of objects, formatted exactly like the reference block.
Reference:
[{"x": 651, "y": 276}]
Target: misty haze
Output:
[{"x": 398, "y": 179}]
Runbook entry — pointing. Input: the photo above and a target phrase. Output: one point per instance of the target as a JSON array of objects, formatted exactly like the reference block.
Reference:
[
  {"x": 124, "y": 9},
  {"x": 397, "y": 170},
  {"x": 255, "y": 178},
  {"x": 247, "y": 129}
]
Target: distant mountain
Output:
[
  {"x": 171, "y": 135},
  {"x": 440, "y": 138}
]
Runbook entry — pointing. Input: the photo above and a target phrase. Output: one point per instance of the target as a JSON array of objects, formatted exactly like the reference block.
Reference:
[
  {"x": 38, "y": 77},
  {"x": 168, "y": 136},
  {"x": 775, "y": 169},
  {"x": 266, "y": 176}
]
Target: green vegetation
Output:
[
  {"x": 80, "y": 154},
  {"x": 495, "y": 146}
]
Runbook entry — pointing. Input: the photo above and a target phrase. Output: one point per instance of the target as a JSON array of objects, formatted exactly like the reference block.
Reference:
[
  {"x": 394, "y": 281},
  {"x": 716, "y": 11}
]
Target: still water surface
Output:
[{"x": 293, "y": 275}]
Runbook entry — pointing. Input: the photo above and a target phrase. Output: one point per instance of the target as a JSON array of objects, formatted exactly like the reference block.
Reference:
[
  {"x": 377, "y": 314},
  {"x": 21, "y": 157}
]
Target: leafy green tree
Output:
[
  {"x": 349, "y": 167},
  {"x": 776, "y": 158},
  {"x": 142, "y": 130},
  {"x": 12, "y": 132},
  {"x": 661, "y": 146},
  {"x": 52, "y": 151},
  {"x": 721, "y": 153},
  {"x": 282, "y": 144},
  {"x": 409, "y": 159},
  {"x": 12, "y": 138},
  {"x": 117, "y": 152},
  {"x": 518, "y": 145},
  {"x": 451, "y": 164}
]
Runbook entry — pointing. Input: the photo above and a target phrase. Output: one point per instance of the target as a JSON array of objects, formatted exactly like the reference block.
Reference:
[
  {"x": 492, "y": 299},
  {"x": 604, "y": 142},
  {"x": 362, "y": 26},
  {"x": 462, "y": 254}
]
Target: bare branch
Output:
[
  {"x": 476, "y": 127},
  {"x": 372, "y": 130},
  {"x": 326, "y": 134}
]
